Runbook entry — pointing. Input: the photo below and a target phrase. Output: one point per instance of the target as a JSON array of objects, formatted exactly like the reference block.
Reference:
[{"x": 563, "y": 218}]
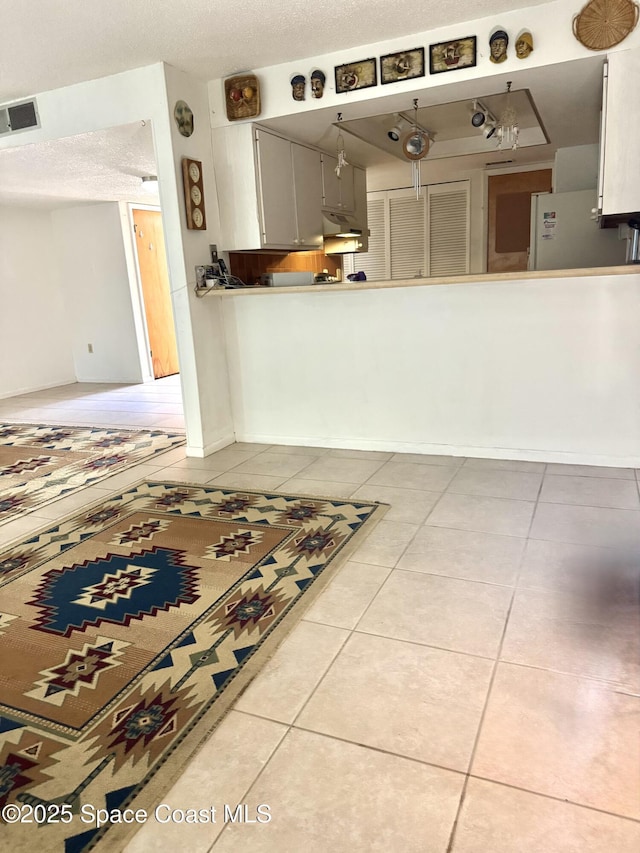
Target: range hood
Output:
[{"x": 343, "y": 233}]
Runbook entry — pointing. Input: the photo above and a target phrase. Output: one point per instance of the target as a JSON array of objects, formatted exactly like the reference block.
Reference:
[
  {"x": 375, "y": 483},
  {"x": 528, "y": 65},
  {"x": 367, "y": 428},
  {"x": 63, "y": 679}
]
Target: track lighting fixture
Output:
[
  {"x": 478, "y": 115},
  {"x": 395, "y": 132},
  {"x": 483, "y": 119}
]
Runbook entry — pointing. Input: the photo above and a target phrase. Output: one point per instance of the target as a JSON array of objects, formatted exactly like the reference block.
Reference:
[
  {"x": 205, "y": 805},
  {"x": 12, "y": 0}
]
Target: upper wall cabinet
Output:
[
  {"x": 619, "y": 181},
  {"x": 269, "y": 189}
]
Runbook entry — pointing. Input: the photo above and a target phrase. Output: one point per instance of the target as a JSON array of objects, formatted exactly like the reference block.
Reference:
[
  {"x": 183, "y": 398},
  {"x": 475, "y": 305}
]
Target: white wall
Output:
[
  {"x": 576, "y": 168},
  {"x": 201, "y": 344},
  {"x": 537, "y": 369},
  {"x": 95, "y": 282},
  {"x": 35, "y": 350}
]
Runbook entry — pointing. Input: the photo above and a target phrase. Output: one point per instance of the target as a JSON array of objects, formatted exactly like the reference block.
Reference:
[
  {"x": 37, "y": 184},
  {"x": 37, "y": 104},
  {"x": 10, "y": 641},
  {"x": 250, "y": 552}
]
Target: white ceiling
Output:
[
  {"x": 68, "y": 41},
  {"x": 105, "y": 165},
  {"x": 60, "y": 42}
]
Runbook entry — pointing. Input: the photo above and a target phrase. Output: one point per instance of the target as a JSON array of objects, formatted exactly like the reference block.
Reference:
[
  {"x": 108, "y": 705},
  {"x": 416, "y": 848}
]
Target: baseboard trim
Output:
[
  {"x": 4, "y": 395},
  {"x": 201, "y": 452},
  {"x": 428, "y": 449}
]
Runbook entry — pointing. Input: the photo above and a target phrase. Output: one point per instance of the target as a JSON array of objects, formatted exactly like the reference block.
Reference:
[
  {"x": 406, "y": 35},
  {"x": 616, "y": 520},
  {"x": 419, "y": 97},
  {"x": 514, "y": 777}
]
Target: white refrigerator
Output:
[{"x": 564, "y": 236}]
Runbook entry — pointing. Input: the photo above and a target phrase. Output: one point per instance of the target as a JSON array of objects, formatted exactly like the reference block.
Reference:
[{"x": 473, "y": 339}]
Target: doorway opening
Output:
[{"x": 509, "y": 217}]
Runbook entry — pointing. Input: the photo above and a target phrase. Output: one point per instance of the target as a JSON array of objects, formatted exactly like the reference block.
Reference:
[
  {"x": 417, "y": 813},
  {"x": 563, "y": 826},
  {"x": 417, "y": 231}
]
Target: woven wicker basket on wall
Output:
[{"x": 604, "y": 23}]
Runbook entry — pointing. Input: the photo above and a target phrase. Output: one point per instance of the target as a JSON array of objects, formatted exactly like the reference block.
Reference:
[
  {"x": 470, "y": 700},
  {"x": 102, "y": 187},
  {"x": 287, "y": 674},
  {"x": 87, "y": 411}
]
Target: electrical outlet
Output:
[{"x": 90, "y": 347}]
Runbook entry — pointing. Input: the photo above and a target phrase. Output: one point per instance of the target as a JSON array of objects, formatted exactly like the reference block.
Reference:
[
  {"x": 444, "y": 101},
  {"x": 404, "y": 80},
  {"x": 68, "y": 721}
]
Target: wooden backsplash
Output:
[{"x": 249, "y": 266}]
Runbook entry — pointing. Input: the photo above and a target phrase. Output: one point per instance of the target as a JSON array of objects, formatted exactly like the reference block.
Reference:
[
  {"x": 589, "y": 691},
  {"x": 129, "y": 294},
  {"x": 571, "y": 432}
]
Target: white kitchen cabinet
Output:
[
  {"x": 290, "y": 189},
  {"x": 269, "y": 190},
  {"x": 338, "y": 193},
  {"x": 276, "y": 190},
  {"x": 619, "y": 179},
  {"x": 307, "y": 181}
]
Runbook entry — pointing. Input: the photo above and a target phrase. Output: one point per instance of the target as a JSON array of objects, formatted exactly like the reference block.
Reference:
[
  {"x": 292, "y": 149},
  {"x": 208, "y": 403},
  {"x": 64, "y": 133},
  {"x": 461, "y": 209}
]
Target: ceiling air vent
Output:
[{"x": 19, "y": 116}]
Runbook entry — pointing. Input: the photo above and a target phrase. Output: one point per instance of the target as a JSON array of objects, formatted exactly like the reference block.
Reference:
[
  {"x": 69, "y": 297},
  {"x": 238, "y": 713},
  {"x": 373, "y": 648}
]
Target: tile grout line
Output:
[
  {"x": 414, "y": 760},
  {"x": 289, "y": 726},
  {"x": 257, "y": 776},
  {"x": 492, "y": 678}
]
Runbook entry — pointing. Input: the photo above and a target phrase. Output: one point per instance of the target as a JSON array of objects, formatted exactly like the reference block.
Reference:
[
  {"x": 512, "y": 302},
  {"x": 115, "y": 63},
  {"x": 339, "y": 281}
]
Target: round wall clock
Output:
[{"x": 194, "y": 194}]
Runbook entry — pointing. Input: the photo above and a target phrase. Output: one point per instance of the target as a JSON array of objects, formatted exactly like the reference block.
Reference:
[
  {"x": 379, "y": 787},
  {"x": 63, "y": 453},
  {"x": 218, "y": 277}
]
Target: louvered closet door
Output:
[
  {"x": 373, "y": 263},
  {"x": 407, "y": 235},
  {"x": 448, "y": 228}
]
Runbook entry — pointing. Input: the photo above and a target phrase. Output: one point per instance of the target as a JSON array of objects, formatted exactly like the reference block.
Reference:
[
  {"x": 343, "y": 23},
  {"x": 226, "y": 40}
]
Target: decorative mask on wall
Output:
[
  {"x": 317, "y": 83},
  {"x": 298, "y": 83},
  {"x": 524, "y": 45},
  {"x": 498, "y": 43},
  {"x": 183, "y": 115}
]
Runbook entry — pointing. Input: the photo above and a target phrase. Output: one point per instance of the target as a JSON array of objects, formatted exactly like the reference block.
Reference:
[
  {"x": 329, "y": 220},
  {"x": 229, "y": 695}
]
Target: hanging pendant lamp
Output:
[
  {"x": 508, "y": 130},
  {"x": 342, "y": 159}
]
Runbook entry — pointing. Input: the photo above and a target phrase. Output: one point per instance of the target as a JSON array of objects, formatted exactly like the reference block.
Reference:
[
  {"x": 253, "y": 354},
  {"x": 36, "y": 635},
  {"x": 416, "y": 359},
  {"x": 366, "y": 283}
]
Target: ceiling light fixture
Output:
[
  {"x": 394, "y": 133},
  {"x": 482, "y": 119},
  {"x": 508, "y": 130},
  {"x": 340, "y": 153},
  {"x": 489, "y": 129},
  {"x": 478, "y": 114},
  {"x": 150, "y": 184},
  {"x": 415, "y": 146}
]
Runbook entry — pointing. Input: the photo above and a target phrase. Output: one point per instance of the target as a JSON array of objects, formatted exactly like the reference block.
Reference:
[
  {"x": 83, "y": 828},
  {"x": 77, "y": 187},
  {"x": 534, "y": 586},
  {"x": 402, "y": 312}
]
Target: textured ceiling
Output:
[
  {"x": 105, "y": 165},
  {"x": 46, "y": 45}
]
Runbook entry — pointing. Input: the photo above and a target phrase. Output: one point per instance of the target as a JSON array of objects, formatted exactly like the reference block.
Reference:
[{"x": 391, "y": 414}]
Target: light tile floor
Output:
[
  {"x": 151, "y": 404},
  {"x": 469, "y": 681}
]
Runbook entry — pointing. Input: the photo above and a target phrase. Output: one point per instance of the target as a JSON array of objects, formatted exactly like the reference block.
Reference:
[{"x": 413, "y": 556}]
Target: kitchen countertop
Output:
[{"x": 478, "y": 278}]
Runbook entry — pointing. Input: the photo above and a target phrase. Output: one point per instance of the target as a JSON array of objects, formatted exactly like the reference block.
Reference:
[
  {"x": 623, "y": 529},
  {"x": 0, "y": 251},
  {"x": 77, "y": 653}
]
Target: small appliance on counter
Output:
[
  {"x": 214, "y": 276},
  {"x": 286, "y": 279},
  {"x": 633, "y": 240}
]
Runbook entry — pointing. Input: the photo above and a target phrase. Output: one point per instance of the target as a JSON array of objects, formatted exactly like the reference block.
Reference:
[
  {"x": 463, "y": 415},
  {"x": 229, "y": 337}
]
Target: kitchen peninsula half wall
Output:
[{"x": 540, "y": 367}]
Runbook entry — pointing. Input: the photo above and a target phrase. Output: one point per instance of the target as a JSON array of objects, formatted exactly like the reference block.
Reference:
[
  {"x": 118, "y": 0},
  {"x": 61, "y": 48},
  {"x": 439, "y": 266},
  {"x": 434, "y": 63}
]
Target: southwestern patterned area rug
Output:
[
  {"x": 128, "y": 630},
  {"x": 39, "y": 464}
]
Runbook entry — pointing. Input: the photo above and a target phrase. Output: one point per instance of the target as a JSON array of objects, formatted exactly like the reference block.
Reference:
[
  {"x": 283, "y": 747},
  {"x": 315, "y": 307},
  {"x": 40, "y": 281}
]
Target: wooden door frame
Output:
[{"x": 489, "y": 173}]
